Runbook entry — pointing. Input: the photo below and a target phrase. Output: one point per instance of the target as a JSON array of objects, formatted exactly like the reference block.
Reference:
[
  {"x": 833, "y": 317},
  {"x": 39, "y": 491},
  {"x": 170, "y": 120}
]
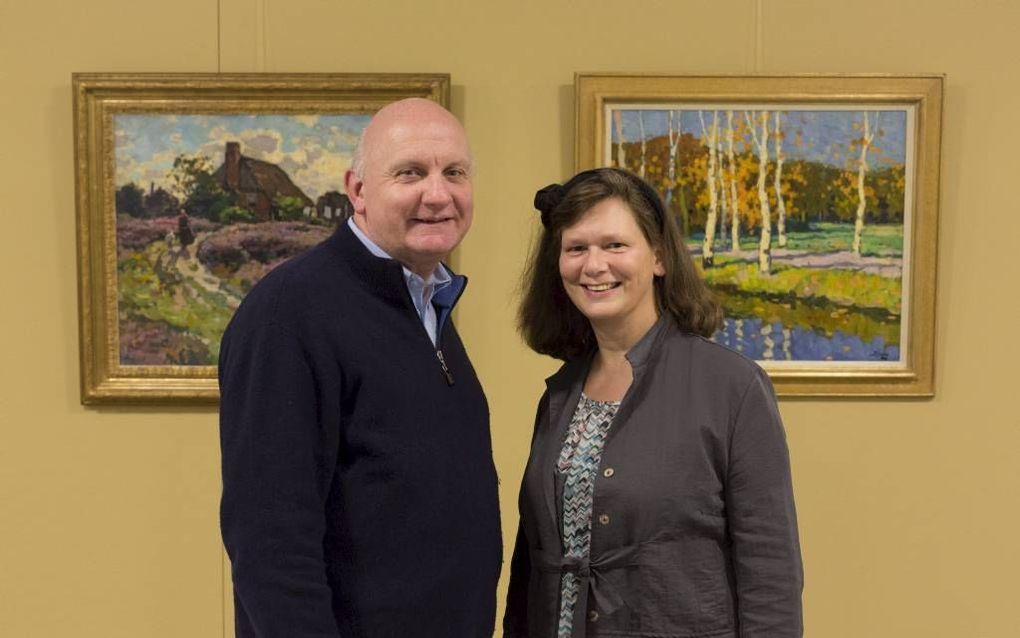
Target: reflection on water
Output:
[
  {"x": 792, "y": 331},
  {"x": 774, "y": 342}
]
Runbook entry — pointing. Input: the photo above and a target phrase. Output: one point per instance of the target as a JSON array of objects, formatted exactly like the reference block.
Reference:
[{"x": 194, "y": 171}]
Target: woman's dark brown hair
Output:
[{"x": 549, "y": 321}]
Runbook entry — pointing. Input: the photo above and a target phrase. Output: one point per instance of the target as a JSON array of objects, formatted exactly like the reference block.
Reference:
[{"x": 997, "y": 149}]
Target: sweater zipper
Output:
[
  {"x": 439, "y": 335},
  {"x": 446, "y": 370}
]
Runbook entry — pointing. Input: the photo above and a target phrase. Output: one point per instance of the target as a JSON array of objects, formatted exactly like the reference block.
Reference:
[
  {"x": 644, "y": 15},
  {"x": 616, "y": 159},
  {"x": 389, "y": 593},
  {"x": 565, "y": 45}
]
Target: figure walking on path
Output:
[{"x": 184, "y": 235}]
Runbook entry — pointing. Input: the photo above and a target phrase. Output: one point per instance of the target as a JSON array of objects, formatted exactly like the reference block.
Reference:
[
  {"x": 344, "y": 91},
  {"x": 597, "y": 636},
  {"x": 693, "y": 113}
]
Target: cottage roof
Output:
[{"x": 258, "y": 175}]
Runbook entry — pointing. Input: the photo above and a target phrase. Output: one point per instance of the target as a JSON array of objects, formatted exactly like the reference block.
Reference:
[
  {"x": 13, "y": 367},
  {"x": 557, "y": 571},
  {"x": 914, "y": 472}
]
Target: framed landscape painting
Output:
[
  {"x": 810, "y": 204},
  {"x": 190, "y": 188}
]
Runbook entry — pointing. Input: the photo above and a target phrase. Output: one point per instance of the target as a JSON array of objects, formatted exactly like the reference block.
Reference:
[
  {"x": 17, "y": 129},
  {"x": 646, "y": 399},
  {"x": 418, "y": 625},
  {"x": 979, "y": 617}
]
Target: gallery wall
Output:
[{"x": 909, "y": 509}]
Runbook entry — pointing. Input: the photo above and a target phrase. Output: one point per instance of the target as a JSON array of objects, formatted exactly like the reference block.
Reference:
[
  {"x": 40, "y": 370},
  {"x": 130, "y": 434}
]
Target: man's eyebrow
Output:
[
  {"x": 406, "y": 162},
  {"x": 467, "y": 164}
]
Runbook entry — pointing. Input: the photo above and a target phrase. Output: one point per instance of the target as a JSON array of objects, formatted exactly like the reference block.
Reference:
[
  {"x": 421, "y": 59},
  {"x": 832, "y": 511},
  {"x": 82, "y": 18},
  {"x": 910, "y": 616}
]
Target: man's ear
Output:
[{"x": 355, "y": 187}]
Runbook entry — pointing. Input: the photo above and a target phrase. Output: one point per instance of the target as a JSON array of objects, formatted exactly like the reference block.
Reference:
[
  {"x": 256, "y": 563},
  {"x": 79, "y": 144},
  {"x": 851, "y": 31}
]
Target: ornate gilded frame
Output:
[
  {"x": 596, "y": 94},
  {"x": 97, "y": 98}
]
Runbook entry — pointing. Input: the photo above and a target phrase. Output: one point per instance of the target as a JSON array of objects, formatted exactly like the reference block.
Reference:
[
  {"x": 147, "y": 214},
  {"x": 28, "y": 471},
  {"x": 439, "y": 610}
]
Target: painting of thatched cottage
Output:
[
  {"x": 257, "y": 190},
  {"x": 255, "y": 183}
]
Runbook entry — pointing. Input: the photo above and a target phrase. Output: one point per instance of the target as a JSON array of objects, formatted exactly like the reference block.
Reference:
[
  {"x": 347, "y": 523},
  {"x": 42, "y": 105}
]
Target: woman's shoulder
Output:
[
  {"x": 715, "y": 376},
  {"x": 712, "y": 360}
]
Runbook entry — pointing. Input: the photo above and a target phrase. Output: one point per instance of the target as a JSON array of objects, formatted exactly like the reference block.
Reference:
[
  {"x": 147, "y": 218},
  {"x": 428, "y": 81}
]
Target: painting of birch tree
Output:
[{"x": 795, "y": 216}]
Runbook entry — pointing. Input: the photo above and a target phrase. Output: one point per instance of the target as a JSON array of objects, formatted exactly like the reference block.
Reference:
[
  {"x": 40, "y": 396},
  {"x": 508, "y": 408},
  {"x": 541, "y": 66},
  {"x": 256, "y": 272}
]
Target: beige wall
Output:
[{"x": 909, "y": 509}]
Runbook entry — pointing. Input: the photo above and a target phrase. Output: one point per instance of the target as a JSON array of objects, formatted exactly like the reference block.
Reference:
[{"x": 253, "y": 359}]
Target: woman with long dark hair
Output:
[{"x": 657, "y": 498}]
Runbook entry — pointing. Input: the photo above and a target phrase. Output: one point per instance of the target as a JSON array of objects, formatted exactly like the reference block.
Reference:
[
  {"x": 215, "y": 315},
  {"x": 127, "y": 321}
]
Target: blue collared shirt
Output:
[{"x": 422, "y": 290}]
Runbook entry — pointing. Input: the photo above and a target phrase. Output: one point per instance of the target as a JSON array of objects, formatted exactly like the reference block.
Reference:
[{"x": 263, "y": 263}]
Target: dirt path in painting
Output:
[
  {"x": 891, "y": 267},
  {"x": 193, "y": 270}
]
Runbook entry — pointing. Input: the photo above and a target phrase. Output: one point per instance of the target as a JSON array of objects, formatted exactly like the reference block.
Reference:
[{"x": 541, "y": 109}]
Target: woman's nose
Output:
[{"x": 594, "y": 261}]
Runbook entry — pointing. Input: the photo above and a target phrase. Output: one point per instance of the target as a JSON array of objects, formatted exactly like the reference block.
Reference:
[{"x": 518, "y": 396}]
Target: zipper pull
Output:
[{"x": 446, "y": 370}]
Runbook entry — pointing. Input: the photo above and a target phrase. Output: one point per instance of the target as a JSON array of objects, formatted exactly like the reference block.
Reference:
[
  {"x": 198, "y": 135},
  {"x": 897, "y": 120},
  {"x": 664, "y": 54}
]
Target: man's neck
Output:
[{"x": 422, "y": 269}]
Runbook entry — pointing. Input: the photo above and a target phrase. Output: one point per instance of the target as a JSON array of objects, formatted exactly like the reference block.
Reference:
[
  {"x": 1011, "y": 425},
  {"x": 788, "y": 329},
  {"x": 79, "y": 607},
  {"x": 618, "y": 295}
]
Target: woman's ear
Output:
[{"x": 658, "y": 268}]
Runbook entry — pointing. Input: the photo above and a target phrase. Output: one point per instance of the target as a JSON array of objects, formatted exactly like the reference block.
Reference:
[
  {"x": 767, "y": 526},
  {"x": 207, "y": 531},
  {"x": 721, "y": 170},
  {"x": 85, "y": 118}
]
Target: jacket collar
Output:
[
  {"x": 639, "y": 355},
  {"x": 384, "y": 277},
  {"x": 564, "y": 387},
  {"x": 642, "y": 352}
]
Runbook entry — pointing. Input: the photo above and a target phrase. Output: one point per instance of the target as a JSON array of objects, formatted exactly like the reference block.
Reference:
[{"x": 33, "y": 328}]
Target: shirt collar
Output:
[{"x": 440, "y": 277}]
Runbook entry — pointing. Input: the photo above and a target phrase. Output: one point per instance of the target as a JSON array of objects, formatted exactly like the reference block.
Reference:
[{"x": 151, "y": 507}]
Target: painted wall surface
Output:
[{"x": 909, "y": 510}]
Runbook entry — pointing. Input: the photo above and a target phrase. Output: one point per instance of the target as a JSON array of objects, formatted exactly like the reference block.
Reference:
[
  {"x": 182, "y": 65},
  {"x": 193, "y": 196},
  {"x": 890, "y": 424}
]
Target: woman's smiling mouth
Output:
[{"x": 600, "y": 287}]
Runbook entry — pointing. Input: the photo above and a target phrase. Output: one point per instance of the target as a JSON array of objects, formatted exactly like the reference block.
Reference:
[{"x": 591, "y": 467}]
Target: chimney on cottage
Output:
[{"x": 232, "y": 165}]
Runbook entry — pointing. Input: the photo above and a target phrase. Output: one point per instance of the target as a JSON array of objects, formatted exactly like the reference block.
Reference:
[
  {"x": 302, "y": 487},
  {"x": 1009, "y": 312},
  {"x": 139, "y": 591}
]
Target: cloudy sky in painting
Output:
[
  {"x": 823, "y": 135},
  {"x": 315, "y": 150}
]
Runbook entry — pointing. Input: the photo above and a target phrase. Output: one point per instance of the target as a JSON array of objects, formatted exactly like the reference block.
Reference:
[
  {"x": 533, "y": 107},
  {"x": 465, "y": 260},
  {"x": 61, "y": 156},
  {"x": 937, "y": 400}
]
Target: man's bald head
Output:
[
  {"x": 410, "y": 183},
  {"x": 409, "y": 110}
]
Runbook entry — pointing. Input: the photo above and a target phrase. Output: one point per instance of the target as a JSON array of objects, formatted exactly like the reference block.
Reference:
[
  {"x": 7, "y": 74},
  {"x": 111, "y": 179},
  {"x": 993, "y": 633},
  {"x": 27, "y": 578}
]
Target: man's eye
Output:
[
  {"x": 616, "y": 245},
  {"x": 575, "y": 249},
  {"x": 408, "y": 172}
]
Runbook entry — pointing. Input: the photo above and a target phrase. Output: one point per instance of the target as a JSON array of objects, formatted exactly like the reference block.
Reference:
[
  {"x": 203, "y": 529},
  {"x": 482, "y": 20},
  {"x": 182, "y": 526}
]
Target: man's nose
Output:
[{"x": 436, "y": 191}]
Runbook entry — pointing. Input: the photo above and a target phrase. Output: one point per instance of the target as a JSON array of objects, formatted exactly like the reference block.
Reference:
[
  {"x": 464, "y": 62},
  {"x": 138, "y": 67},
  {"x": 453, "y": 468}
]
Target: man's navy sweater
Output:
[{"x": 359, "y": 492}]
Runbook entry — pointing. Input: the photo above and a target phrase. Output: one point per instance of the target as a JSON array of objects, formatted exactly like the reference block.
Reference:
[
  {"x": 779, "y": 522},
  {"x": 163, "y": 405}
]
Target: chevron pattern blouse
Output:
[{"x": 579, "y": 463}]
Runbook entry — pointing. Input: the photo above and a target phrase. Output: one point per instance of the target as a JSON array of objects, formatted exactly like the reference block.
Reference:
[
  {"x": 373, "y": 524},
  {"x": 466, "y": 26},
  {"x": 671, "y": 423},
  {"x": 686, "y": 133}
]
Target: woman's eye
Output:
[{"x": 615, "y": 245}]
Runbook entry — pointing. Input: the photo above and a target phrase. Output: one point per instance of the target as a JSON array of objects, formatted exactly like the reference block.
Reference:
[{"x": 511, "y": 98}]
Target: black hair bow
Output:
[{"x": 547, "y": 199}]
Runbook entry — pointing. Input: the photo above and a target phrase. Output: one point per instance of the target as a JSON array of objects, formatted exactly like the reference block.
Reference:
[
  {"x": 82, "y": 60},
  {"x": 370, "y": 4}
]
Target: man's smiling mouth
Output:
[{"x": 439, "y": 220}]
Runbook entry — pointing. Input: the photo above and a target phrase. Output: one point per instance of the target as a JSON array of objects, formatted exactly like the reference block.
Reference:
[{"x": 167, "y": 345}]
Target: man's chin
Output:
[{"x": 437, "y": 246}]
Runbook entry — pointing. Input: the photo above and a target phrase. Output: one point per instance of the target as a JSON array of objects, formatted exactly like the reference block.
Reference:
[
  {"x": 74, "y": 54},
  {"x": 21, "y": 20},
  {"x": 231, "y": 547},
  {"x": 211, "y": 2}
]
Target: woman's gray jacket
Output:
[{"x": 694, "y": 533}]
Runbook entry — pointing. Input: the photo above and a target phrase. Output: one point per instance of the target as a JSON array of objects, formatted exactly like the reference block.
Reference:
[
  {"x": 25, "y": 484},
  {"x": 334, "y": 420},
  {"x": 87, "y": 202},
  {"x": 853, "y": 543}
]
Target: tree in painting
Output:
[
  {"x": 867, "y": 137},
  {"x": 709, "y": 137}
]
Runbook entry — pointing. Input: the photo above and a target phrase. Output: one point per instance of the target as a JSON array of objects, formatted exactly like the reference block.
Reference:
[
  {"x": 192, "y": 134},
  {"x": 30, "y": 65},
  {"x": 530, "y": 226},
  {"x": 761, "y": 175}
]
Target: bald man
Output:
[{"x": 359, "y": 492}]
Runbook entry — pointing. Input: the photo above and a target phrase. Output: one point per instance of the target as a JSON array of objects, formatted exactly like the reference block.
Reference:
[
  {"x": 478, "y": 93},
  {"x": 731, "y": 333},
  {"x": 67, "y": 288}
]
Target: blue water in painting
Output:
[{"x": 772, "y": 342}]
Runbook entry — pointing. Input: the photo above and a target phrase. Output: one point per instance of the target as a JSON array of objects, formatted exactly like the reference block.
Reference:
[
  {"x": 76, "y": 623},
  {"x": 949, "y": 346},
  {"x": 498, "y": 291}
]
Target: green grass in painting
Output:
[
  {"x": 878, "y": 240},
  {"x": 144, "y": 293},
  {"x": 885, "y": 240},
  {"x": 846, "y": 288}
]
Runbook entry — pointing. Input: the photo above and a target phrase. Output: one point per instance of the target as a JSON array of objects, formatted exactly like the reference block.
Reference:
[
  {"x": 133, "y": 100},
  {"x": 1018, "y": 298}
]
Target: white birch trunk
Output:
[
  {"x": 621, "y": 155},
  {"x": 862, "y": 168},
  {"x": 674, "y": 143},
  {"x": 780, "y": 204},
  {"x": 707, "y": 254},
  {"x": 724, "y": 200},
  {"x": 765, "y": 240},
  {"x": 734, "y": 203},
  {"x": 641, "y": 126}
]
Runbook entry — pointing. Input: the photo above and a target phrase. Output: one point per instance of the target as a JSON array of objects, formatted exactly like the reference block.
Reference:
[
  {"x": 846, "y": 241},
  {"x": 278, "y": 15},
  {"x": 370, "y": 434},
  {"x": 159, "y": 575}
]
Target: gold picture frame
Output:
[
  {"x": 155, "y": 290},
  {"x": 839, "y": 307}
]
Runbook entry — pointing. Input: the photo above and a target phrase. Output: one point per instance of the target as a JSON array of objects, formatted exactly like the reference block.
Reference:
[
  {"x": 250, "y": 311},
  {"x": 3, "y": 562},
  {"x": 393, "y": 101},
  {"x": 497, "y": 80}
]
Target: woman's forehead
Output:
[{"x": 608, "y": 214}]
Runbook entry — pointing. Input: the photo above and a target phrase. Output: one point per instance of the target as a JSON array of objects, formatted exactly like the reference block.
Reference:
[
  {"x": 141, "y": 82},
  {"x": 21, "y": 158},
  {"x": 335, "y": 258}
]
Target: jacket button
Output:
[
  {"x": 608, "y": 472},
  {"x": 593, "y": 615},
  {"x": 604, "y": 519}
]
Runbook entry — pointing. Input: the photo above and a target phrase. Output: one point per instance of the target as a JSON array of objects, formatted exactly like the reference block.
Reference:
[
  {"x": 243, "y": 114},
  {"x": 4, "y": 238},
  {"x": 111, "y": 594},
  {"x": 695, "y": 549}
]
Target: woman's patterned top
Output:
[{"x": 579, "y": 463}]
